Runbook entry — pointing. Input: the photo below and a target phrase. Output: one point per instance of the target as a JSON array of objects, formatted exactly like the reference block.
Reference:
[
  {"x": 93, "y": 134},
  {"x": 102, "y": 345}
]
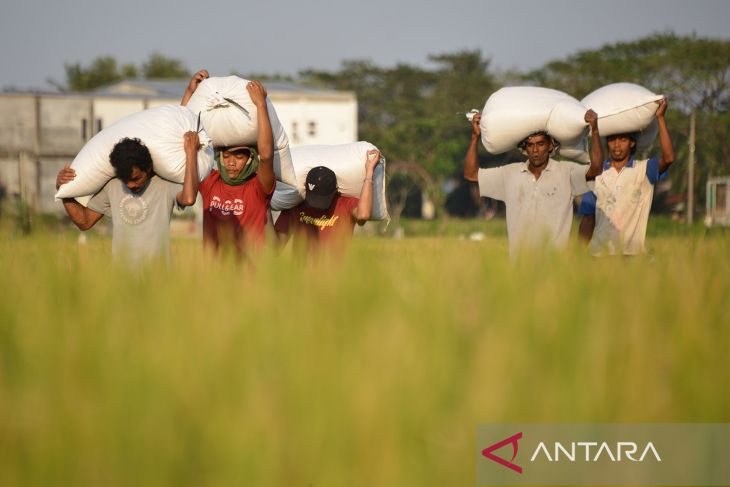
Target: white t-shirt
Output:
[
  {"x": 623, "y": 203},
  {"x": 140, "y": 221},
  {"x": 539, "y": 210}
]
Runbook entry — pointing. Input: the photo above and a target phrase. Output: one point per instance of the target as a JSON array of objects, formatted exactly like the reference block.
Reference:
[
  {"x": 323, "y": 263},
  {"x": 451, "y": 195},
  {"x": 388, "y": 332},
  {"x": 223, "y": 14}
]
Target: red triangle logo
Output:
[{"x": 487, "y": 452}]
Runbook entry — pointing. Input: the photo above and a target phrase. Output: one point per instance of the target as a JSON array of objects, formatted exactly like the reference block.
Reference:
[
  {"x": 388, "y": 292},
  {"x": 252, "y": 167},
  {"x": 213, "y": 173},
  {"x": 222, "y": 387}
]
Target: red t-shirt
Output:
[
  {"x": 320, "y": 226},
  {"x": 234, "y": 213}
]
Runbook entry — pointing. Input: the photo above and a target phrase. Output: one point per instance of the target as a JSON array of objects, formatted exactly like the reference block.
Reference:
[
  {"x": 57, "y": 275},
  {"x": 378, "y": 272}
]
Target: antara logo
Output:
[
  {"x": 487, "y": 452},
  {"x": 592, "y": 451}
]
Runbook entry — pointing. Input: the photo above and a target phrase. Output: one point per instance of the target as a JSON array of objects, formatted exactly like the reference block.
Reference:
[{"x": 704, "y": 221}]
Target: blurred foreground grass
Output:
[{"x": 373, "y": 370}]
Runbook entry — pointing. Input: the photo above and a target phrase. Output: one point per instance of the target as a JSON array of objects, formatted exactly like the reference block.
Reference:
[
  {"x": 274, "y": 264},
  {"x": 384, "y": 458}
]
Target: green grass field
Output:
[{"x": 374, "y": 370}]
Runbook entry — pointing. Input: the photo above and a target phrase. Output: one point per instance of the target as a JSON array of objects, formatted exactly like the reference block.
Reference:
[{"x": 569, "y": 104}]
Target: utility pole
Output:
[{"x": 691, "y": 170}]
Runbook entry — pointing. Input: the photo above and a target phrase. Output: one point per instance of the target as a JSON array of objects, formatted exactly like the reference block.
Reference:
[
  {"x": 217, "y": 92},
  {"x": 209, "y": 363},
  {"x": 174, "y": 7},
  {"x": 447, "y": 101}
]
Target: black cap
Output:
[{"x": 321, "y": 187}]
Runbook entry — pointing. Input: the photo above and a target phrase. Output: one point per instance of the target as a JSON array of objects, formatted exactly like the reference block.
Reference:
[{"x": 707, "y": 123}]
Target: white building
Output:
[
  {"x": 718, "y": 201},
  {"x": 41, "y": 132}
]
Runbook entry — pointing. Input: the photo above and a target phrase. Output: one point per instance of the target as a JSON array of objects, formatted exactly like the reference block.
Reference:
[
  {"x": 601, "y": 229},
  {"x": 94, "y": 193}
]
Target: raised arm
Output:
[
  {"x": 266, "y": 138},
  {"x": 664, "y": 138},
  {"x": 84, "y": 218},
  {"x": 189, "y": 193},
  {"x": 364, "y": 207},
  {"x": 193, "y": 85},
  {"x": 471, "y": 163},
  {"x": 596, "y": 167}
]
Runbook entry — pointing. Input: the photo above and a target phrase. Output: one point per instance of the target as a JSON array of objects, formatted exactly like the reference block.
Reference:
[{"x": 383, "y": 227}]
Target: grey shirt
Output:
[
  {"x": 140, "y": 221},
  {"x": 540, "y": 210}
]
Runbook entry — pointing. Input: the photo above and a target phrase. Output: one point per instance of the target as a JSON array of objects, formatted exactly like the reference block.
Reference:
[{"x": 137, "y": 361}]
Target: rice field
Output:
[{"x": 374, "y": 369}]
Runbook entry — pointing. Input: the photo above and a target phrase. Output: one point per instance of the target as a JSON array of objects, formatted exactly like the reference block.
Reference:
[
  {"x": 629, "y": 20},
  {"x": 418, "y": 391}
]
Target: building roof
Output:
[
  {"x": 175, "y": 89},
  {"x": 152, "y": 88}
]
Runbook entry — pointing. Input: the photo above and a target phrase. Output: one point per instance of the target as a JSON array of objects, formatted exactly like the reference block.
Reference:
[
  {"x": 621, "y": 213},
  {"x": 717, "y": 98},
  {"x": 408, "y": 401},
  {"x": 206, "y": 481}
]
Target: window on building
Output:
[
  {"x": 294, "y": 134},
  {"x": 312, "y": 129},
  {"x": 84, "y": 127},
  {"x": 98, "y": 125},
  {"x": 721, "y": 195}
]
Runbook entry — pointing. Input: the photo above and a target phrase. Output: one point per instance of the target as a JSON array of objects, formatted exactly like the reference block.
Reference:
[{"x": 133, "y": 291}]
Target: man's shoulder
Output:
[
  {"x": 568, "y": 169},
  {"x": 347, "y": 202},
  {"x": 512, "y": 167},
  {"x": 164, "y": 186},
  {"x": 642, "y": 163},
  {"x": 518, "y": 166},
  {"x": 568, "y": 165},
  {"x": 157, "y": 180},
  {"x": 161, "y": 188},
  {"x": 210, "y": 180},
  {"x": 639, "y": 166},
  {"x": 114, "y": 186}
]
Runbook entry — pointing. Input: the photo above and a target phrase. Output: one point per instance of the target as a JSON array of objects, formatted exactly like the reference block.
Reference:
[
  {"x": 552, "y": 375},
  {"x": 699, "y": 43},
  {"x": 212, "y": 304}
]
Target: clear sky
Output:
[{"x": 270, "y": 36}]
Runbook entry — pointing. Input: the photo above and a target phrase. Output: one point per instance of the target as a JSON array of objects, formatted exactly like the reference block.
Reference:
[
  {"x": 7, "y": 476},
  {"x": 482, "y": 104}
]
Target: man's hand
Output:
[
  {"x": 84, "y": 218},
  {"x": 476, "y": 130},
  {"x": 191, "y": 142},
  {"x": 196, "y": 80},
  {"x": 257, "y": 92},
  {"x": 664, "y": 138},
  {"x": 591, "y": 118},
  {"x": 471, "y": 162},
  {"x": 596, "y": 153},
  {"x": 373, "y": 158},
  {"x": 189, "y": 193},
  {"x": 65, "y": 175},
  {"x": 365, "y": 203},
  {"x": 193, "y": 85}
]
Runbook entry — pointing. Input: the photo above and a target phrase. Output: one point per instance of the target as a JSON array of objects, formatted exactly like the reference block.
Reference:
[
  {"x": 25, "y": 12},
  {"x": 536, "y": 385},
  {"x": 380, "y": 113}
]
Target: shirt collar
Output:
[
  {"x": 607, "y": 163},
  {"x": 550, "y": 165}
]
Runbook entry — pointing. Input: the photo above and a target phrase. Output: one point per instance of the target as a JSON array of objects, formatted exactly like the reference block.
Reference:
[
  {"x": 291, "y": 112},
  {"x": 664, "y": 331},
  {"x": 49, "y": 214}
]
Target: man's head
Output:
[
  {"x": 234, "y": 159},
  {"x": 132, "y": 163},
  {"x": 538, "y": 147},
  {"x": 621, "y": 146},
  {"x": 321, "y": 187}
]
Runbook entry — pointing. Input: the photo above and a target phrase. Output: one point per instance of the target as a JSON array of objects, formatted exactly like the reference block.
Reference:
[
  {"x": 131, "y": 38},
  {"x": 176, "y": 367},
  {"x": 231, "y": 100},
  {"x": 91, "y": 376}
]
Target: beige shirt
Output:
[
  {"x": 539, "y": 210},
  {"x": 140, "y": 221},
  {"x": 623, "y": 202}
]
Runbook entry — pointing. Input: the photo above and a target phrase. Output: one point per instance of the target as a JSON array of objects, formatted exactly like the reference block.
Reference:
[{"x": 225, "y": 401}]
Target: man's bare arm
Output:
[
  {"x": 189, "y": 193},
  {"x": 362, "y": 212},
  {"x": 84, "y": 218},
  {"x": 664, "y": 138},
  {"x": 471, "y": 163},
  {"x": 596, "y": 167},
  {"x": 265, "y": 141},
  {"x": 193, "y": 85}
]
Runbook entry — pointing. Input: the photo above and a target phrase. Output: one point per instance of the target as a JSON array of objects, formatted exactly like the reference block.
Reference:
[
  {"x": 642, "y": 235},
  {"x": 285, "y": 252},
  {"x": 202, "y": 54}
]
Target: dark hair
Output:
[
  {"x": 523, "y": 144},
  {"x": 634, "y": 136},
  {"x": 128, "y": 153}
]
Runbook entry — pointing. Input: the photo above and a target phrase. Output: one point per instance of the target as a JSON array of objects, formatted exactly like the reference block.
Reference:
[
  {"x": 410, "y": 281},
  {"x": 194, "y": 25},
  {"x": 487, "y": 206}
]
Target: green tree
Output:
[
  {"x": 102, "y": 71},
  {"x": 463, "y": 82},
  {"x": 162, "y": 67},
  {"x": 413, "y": 114},
  {"x": 694, "y": 73},
  {"x": 265, "y": 77}
]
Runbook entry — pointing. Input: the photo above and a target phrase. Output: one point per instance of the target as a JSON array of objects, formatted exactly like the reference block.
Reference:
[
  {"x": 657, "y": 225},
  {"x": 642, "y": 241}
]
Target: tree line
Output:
[{"x": 105, "y": 70}]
